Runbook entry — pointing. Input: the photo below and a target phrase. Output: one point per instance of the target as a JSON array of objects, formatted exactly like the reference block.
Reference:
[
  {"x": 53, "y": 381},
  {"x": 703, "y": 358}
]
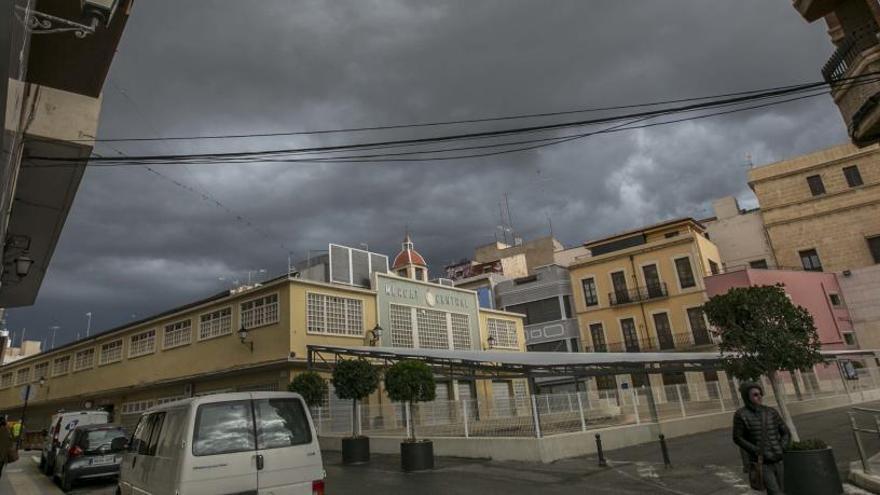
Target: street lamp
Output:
[
  {"x": 27, "y": 396},
  {"x": 491, "y": 341},
  {"x": 375, "y": 335},
  {"x": 243, "y": 335},
  {"x": 54, "y": 329}
]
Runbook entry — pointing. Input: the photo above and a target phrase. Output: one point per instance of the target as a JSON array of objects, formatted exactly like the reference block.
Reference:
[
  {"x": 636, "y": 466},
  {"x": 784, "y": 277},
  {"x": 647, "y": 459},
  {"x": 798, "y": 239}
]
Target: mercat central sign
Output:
[
  {"x": 420, "y": 294},
  {"x": 431, "y": 296}
]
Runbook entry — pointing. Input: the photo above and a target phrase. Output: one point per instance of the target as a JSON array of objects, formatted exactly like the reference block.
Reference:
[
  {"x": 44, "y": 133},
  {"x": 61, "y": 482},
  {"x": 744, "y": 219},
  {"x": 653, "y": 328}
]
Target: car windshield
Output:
[{"x": 96, "y": 440}]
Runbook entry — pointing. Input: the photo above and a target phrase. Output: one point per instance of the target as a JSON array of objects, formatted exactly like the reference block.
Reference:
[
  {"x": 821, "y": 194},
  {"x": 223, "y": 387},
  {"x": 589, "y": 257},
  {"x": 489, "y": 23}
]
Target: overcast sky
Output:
[{"x": 135, "y": 243}]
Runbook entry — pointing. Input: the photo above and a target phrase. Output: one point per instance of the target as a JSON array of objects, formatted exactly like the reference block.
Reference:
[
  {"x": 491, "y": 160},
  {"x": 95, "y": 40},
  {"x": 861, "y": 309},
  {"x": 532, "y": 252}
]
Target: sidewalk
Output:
[{"x": 23, "y": 478}]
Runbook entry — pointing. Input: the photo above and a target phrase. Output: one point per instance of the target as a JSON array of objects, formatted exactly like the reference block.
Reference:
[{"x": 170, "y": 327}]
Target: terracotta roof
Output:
[{"x": 408, "y": 257}]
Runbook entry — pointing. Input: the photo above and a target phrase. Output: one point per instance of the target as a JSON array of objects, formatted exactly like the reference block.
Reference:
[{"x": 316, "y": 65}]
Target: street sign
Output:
[{"x": 28, "y": 393}]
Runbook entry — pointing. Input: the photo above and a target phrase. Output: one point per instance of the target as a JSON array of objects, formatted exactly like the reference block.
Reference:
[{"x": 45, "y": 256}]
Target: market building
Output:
[{"x": 256, "y": 338}]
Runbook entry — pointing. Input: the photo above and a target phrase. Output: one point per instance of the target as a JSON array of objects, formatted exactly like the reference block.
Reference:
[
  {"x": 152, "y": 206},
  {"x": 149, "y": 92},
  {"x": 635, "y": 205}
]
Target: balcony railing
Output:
[
  {"x": 667, "y": 342},
  {"x": 848, "y": 51},
  {"x": 638, "y": 294}
]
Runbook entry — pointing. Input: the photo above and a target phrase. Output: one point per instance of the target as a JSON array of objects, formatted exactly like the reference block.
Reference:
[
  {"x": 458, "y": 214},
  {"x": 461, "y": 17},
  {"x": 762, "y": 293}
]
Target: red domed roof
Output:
[{"x": 408, "y": 257}]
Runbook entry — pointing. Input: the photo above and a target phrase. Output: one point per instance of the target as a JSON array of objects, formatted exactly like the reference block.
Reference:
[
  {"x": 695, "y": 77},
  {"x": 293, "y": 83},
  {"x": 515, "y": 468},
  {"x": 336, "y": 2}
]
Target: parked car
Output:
[
  {"x": 225, "y": 443},
  {"x": 61, "y": 424},
  {"x": 93, "y": 451}
]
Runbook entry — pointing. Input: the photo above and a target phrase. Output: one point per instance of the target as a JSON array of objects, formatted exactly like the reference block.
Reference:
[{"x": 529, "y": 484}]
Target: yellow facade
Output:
[
  {"x": 196, "y": 349},
  {"x": 837, "y": 223},
  {"x": 644, "y": 301}
]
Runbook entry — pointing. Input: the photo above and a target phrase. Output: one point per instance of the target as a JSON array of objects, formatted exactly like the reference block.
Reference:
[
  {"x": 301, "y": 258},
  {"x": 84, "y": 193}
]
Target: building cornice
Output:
[{"x": 643, "y": 248}]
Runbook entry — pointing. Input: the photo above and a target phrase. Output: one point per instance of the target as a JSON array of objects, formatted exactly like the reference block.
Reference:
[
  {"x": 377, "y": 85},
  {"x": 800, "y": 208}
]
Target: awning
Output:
[{"x": 459, "y": 363}]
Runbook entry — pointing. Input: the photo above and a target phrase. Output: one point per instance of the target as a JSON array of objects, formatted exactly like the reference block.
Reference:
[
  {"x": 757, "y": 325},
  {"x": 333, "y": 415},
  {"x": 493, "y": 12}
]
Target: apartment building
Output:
[
  {"x": 545, "y": 299},
  {"x": 853, "y": 28},
  {"x": 821, "y": 212},
  {"x": 643, "y": 290},
  {"x": 739, "y": 236}
]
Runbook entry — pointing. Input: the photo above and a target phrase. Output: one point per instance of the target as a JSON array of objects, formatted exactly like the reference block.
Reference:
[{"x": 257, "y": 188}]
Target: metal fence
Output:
[{"x": 554, "y": 414}]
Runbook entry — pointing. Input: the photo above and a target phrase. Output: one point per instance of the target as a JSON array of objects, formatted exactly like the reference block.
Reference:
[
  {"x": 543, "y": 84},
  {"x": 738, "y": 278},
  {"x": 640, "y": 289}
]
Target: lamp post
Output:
[
  {"x": 27, "y": 396},
  {"x": 54, "y": 329}
]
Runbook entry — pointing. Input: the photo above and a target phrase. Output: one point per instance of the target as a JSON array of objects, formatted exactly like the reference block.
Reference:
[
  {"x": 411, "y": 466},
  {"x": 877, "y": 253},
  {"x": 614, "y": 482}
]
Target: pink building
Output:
[{"x": 817, "y": 292}]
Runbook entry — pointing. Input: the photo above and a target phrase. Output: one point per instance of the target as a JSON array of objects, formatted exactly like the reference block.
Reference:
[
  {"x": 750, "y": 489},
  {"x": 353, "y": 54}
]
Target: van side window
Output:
[
  {"x": 138, "y": 444},
  {"x": 155, "y": 431},
  {"x": 223, "y": 428},
  {"x": 281, "y": 423}
]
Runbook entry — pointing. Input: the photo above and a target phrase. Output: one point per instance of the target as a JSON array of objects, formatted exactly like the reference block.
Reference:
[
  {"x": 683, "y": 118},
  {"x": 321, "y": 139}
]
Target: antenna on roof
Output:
[{"x": 749, "y": 160}]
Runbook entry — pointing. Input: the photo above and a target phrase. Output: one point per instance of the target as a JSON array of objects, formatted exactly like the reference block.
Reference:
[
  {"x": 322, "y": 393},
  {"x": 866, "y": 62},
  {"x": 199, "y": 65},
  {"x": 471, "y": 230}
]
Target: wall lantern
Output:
[
  {"x": 243, "y": 335},
  {"x": 491, "y": 341},
  {"x": 375, "y": 335},
  {"x": 23, "y": 265}
]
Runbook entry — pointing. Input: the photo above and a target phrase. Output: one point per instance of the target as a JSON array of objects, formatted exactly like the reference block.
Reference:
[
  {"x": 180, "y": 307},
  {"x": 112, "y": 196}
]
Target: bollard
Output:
[
  {"x": 602, "y": 462},
  {"x": 665, "y": 451}
]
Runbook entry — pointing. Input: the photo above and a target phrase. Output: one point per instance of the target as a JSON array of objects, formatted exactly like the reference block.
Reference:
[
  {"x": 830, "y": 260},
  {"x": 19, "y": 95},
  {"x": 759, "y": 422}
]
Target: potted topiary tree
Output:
[
  {"x": 355, "y": 379},
  {"x": 311, "y": 386},
  {"x": 763, "y": 332},
  {"x": 410, "y": 382}
]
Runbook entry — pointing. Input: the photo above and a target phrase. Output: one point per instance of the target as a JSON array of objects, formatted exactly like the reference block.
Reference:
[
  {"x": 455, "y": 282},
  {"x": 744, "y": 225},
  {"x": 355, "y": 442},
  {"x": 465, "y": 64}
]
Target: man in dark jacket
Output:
[{"x": 760, "y": 431}]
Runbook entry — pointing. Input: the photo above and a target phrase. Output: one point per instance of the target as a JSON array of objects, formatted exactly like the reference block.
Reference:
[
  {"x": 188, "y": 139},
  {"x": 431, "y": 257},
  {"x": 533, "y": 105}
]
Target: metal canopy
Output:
[{"x": 497, "y": 364}]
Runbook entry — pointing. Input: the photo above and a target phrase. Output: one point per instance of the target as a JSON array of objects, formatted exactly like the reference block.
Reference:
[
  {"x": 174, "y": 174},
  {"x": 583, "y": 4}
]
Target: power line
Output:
[
  {"x": 235, "y": 157},
  {"x": 436, "y": 123}
]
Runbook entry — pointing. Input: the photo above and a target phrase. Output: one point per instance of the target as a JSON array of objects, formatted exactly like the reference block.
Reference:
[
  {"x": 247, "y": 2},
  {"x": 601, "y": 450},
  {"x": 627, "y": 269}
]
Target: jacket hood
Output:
[{"x": 744, "y": 390}]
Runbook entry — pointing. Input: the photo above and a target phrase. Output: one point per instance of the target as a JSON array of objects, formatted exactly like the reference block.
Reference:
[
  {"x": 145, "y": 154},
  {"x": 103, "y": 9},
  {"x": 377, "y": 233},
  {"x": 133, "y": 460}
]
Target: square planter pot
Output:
[
  {"x": 417, "y": 456},
  {"x": 355, "y": 450},
  {"x": 811, "y": 472}
]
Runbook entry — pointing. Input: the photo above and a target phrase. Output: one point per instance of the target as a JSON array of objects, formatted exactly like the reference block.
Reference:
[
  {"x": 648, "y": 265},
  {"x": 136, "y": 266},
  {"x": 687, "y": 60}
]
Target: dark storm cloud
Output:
[{"x": 135, "y": 243}]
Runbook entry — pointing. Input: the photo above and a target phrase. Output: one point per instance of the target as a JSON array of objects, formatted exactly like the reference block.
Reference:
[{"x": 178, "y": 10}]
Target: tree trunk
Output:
[
  {"x": 783, "y": 408},
  {"x": 354, "y": 419},
  {"x": 412, "y": 421}
]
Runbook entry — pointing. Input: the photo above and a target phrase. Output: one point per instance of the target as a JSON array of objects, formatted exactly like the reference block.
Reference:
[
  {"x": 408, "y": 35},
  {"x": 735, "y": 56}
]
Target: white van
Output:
[
  {"x": 62, "y": 423},
  {"x": 248, "y": 442}
]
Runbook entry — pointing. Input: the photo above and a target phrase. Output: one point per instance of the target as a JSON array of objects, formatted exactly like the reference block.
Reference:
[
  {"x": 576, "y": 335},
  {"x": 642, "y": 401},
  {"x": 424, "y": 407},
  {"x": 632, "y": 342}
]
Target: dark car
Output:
[{"x": 88, "y": 452}]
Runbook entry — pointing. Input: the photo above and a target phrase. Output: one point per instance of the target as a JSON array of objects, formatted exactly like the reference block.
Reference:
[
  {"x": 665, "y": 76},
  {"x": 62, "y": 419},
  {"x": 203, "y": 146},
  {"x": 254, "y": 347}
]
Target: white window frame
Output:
[
  {"x": 132, "y": 353},
  {"x": 76, "y": 359},
  {"x": 215, "y": 322},
  {"x": 59, "y": 359},
  {"x": 102, "y": 361},
  {"x": 514, "y": 340},
  {"x": 45, "y": 374},
  {"x": 18, "y": 373},
  {"x": 244, "y": 314},
  {"x": 350, "y": 332},
  {"x": 185, "y": 328},
  {"x": 7, "y": 383}
]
